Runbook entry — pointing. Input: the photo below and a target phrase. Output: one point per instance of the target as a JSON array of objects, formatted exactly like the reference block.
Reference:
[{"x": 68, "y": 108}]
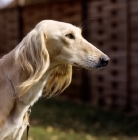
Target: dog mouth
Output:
[
  {"x": 90, "y": 66},
  {"x": 76, "y": 65}
]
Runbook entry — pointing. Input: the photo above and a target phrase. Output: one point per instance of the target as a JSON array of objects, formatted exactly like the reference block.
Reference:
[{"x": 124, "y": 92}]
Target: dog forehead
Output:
[{"x": 53, "y": 25}]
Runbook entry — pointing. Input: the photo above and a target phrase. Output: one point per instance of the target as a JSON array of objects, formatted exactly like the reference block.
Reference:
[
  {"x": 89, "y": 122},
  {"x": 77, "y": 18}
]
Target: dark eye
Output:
[{"x": 70, "y": 36}]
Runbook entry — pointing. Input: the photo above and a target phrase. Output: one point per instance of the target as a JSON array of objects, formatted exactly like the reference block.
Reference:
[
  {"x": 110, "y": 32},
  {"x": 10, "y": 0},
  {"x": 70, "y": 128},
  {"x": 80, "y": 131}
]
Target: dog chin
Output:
[
  {"x": 91, "y": 67},
  {"x": 88, "y": 67}
]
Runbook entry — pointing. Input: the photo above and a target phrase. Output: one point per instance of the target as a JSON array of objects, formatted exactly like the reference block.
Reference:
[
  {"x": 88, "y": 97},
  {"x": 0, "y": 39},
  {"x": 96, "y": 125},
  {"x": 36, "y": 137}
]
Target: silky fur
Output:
[{"x": 41, "y": 65}]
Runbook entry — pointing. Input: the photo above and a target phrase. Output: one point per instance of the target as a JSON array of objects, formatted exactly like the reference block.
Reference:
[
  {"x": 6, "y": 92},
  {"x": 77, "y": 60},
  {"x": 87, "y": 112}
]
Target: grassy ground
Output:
[{"x": 64, "y": 120}]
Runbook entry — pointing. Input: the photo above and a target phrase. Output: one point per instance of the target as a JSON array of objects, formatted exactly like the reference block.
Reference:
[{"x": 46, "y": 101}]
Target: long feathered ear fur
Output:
[
  {"x": 33, "y": 56},
  {"x": 58, "y": 81}
]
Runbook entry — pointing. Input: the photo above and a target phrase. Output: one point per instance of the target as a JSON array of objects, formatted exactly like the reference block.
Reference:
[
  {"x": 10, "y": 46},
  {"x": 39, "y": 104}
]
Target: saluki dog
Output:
[{"x": 41, "y": 65}]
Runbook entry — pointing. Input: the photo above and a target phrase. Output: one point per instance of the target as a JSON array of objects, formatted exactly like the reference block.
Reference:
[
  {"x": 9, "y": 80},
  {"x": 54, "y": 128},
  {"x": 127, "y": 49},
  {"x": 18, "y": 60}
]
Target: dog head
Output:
[
  {"x": 66, "y": 45},
  {"x": 55, "y": 46}
]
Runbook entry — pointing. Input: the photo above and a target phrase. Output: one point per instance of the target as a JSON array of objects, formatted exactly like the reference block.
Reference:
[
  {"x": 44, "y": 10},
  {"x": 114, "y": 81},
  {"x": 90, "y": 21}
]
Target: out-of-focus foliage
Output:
[{"x": 64, "y": 120}]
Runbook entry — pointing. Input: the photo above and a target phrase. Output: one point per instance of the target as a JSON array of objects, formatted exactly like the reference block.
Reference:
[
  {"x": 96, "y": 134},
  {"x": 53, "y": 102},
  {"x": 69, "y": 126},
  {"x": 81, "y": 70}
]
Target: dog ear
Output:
[
  {"x": 33, "y": 56},
  {"x": 58, "y": 81}
]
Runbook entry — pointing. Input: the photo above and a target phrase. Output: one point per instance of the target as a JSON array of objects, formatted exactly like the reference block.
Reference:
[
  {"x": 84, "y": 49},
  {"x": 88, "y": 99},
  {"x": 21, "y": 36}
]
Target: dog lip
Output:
[
  {"x": 76, "y": 64},
  {"x": 99, "y": 66},
  {"x": 87, "y": 67}
]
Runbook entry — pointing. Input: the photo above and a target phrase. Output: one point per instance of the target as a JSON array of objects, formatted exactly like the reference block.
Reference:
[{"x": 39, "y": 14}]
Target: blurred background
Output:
[{"x": 100, "y": 104}]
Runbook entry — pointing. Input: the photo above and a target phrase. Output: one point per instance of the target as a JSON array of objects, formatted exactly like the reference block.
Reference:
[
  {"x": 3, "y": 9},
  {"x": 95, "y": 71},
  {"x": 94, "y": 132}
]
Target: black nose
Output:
[{"x": 104, "y": 60}]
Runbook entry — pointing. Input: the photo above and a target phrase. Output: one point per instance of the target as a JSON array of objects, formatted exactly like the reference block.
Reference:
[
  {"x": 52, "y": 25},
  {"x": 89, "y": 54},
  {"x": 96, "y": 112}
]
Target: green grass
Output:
[{"x": 64, "y": 120}]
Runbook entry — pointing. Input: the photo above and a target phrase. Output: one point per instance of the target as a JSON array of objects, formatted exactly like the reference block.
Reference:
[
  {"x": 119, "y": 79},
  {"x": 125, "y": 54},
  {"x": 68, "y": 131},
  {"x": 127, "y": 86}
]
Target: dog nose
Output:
[{"x": 104, "y": 60}]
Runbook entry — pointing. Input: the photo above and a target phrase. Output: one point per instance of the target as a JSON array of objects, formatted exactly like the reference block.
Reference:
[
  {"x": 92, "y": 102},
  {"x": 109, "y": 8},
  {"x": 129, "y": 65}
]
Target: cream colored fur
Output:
[{"x": 41, "y": 63}]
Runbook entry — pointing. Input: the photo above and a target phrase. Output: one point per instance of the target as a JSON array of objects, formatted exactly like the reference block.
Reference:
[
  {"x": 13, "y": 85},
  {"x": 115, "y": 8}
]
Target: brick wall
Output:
[
  {"x": 134, "y": 54},
  {"x": 9, "y": 30},
  {"x": 108, "y": 33},
  {"x": 67, "y": 11}
]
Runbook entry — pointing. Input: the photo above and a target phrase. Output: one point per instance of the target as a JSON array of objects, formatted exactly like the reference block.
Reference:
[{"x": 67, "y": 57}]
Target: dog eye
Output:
[{"x": 70, "y": 36}]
